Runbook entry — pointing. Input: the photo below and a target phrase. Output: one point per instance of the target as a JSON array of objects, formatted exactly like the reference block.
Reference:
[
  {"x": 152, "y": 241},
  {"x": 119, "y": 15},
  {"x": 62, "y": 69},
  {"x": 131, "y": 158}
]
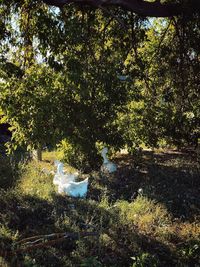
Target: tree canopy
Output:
[{"x": 91, "y": 76}]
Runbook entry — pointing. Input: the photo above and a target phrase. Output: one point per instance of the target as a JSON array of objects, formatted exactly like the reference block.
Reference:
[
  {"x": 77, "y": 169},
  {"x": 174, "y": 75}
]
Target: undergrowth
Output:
[{"x": 132, "y": 212}]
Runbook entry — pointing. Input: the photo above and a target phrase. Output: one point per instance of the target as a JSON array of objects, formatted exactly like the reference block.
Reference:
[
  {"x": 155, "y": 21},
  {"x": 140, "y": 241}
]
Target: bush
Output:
[{"x": 83, "y": 157}]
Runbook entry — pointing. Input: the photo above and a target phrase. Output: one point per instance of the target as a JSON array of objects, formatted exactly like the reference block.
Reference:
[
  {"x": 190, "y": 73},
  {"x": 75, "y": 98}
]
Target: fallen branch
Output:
[
  {"x": 42, "y": 241},
  {"x": 34, "y": 245},
  {"x": 32, "y": 238}
]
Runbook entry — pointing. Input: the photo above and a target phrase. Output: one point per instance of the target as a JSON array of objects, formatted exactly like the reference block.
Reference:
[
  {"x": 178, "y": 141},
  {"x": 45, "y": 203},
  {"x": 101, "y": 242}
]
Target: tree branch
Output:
[{"x": 140, "y": 7}]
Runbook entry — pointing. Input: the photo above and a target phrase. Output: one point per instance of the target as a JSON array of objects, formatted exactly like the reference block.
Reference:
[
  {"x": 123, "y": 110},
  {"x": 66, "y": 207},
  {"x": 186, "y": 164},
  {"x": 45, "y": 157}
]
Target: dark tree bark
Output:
[{"x": 140, "y": 7}]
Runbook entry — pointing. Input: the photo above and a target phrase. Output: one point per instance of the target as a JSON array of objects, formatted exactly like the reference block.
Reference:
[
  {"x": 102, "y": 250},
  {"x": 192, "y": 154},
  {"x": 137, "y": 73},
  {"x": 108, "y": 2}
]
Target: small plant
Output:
[
  {"x": 91, "y": 262},
  {"x": 144, "y": 260},
  {"x": 29, "y": 262},
  {"x": 190, "y": 252}
]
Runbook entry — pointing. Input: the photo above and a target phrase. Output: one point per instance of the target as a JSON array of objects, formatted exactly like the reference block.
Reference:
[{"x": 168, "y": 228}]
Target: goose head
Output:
[{"x": 60, "y": 167}]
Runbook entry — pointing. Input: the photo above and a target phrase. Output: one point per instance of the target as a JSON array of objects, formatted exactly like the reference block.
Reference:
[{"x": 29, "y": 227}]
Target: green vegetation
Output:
[
  {"x": 85, "y": 77},
  {"x": 72, "y": 81},
  {"x": 146, "y": 214}
]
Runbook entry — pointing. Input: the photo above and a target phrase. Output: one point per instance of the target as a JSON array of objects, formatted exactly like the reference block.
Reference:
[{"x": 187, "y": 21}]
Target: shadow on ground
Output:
[
  {"x": 172, "y": 178},
  {"x": 29, "y": 216}
]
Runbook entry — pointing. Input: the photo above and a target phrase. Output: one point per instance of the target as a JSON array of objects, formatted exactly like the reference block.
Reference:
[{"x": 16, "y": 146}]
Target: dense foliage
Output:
[
  {"x": 91, "y": 77},
  {"x": 168, "y": 107}
]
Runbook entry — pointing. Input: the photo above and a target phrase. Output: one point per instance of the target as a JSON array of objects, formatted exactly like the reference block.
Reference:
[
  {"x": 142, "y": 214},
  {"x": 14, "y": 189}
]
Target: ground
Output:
[{"x": 145, "y": 214}]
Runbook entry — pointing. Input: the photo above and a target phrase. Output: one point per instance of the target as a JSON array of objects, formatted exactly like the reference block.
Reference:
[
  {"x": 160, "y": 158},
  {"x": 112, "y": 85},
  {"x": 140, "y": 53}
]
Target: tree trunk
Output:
[{"x": 37, "y": 154}]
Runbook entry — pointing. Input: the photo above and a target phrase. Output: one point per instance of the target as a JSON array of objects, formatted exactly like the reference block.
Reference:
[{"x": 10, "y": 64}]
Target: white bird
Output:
[
  {"x": 66, "y": 182},
  {"x": 59, "y": 173},
  {"x": 107, "y": 166},
  {"x": 74, "y": 189},
  {"x": 68, "y": 177},
  {"x": 63, "y": 178}
]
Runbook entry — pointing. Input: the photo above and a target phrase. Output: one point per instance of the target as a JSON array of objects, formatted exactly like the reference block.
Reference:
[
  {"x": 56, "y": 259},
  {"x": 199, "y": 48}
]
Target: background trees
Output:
[{"x": 169, "y": 104}]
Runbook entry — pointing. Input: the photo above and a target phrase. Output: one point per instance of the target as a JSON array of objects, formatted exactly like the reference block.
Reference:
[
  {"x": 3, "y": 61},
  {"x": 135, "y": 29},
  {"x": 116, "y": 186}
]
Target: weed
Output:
[{"x": 145, "y": 260}]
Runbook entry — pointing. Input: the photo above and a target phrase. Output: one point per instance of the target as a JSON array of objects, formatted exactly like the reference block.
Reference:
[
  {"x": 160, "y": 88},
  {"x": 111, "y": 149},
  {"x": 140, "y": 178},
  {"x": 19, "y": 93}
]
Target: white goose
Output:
[
  {"x": 107, "y": 166},
  {"x": 74, "y": 189},
  {"x": 66, "y": 182}
]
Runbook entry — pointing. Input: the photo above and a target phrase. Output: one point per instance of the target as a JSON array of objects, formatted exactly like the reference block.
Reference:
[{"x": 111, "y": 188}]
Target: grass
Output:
[
  {"x": 146, "y": 214},
  {"x": 35, "y": 182}
]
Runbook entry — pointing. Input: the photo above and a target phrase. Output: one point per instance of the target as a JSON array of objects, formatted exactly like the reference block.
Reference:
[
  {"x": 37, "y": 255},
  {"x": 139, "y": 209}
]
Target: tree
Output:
[
  {"x": 34, "y": 106},
  {"x": 76, "y": 94},
  {"x": 167, "y": 107}
]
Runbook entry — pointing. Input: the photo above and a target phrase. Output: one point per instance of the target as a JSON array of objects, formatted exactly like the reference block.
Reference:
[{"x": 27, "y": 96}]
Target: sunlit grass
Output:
[
  {"x": 50, "y": 156},
  {"x": 149, "y": 216},
  {"x": 35, "y": 182}
]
